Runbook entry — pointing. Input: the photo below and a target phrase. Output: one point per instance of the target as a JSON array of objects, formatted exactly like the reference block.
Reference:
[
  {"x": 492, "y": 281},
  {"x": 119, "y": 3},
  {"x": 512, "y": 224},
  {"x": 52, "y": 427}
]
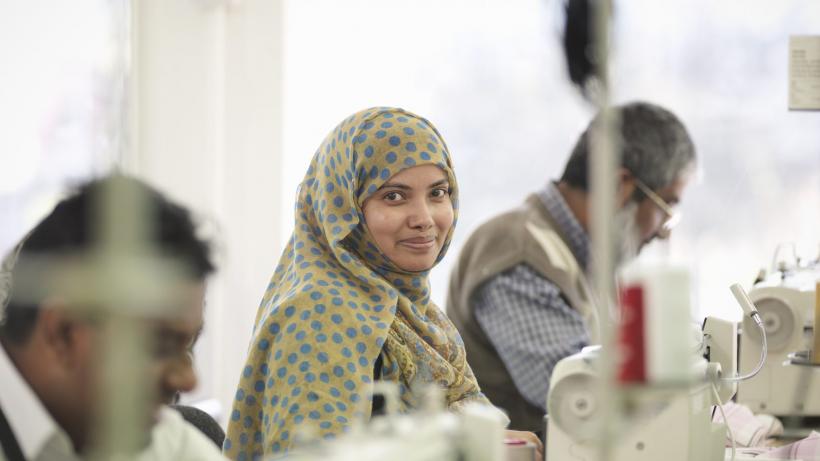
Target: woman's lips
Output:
[{"x": 418, "y": 243}]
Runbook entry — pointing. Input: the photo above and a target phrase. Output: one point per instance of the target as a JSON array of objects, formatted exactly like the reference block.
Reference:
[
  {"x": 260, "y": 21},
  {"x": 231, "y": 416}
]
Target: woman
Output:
[{"x": 349, "y": 301}]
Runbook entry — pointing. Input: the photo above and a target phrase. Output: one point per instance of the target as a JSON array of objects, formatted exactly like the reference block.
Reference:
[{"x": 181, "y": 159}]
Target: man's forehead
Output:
[{"x": 187, "y": 314}]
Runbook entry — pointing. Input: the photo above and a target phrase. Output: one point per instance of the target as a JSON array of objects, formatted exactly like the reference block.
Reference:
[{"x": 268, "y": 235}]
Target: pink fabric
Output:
[
  {"x": 752, "y": 431},
  {"x": 749, "y": 429},
  {"x": 807, "y": 449}
]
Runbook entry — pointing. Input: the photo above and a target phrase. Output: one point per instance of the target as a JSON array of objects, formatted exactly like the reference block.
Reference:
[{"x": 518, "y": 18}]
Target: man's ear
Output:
[
  {"x": 59, "y": 329},
  {"x": 626, "y": 187}
]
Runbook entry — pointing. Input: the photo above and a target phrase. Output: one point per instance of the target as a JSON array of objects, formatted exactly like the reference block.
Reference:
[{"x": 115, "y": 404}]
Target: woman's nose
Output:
[{"x": 421, "y": 216}]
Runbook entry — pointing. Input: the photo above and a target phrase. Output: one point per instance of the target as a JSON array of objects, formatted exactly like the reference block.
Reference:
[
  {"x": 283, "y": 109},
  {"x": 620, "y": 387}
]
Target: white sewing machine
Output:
[
  {"x": 671, "y": 422},
  {"x": 430, "y": 434},
  {"x": 786, "y": 301}
]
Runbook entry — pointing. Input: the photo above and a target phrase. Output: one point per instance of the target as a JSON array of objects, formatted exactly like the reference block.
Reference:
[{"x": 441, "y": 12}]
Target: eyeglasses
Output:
[{"x": 673, "y": 216}]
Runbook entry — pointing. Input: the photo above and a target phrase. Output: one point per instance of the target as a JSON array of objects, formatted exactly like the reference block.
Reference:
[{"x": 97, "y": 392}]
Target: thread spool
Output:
[
  {"x": 632, "y": 367},
  {"x": 654, "y": 335},
  {"x": 519, "y": 450},
  {"x": 815, "y": 355}
]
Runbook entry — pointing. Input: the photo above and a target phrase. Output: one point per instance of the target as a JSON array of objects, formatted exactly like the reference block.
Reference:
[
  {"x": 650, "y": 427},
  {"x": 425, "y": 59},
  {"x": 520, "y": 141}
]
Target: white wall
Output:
[
  {"x": 205, "y": 108},
  {"x": 490, "y": 74},
  {"x": 59, "y": 91}
]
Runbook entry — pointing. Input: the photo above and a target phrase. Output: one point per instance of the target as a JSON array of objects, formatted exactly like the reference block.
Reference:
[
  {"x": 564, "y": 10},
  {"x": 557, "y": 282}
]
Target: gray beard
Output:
[{"x": 627, "y": 234}]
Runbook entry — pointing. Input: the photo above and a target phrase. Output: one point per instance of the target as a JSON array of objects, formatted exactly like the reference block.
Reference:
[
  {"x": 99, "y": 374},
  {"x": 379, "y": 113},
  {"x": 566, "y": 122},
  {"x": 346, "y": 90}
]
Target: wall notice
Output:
[{"x": 804, "y": 72}]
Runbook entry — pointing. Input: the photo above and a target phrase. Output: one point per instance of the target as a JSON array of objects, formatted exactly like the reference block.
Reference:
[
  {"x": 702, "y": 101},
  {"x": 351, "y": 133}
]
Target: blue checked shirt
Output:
[{"x": 524, "y": 316}]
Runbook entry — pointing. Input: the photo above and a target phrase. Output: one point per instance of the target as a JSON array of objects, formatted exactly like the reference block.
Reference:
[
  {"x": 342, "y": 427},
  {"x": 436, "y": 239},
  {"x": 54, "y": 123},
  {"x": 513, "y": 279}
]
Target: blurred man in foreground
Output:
[{"x": 52, "y": 346}]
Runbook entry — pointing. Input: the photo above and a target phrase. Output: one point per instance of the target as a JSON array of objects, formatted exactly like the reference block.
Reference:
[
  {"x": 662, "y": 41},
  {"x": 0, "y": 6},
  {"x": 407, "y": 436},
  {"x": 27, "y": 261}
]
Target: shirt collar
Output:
[
  {"x": 575, "y": 235},
  {"x": 31, "y": 423}
]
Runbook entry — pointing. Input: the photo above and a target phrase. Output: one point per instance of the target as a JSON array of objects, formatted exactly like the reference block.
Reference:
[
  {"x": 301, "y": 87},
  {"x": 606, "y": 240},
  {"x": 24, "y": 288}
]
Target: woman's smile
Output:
[{"x": 420, "y": 244}]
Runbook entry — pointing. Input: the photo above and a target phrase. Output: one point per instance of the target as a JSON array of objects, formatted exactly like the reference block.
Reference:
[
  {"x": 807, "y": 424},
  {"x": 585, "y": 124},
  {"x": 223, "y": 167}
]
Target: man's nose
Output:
[{"x": 179, "y": 375}]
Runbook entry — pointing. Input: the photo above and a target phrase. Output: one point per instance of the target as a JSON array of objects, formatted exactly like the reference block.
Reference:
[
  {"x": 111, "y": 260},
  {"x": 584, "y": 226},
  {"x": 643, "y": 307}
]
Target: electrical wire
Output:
[
  {"x": 763, "y": 352},
  {"x": 725, "y": 420}
]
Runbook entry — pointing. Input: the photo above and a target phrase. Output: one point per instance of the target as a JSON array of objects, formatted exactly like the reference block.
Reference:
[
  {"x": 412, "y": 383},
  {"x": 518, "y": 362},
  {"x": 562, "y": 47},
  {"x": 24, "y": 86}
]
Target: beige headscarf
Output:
[{"x": 335, "y": 302}]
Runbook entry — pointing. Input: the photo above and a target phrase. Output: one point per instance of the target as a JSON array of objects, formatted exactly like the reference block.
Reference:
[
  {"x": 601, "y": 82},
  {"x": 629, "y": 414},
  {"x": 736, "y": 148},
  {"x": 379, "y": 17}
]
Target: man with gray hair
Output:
[{"x": 519, "y": 294}]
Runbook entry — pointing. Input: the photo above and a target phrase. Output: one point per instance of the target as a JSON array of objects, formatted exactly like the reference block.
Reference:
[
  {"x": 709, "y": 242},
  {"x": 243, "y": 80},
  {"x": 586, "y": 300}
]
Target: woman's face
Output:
[{"x": 410, "y": 216}]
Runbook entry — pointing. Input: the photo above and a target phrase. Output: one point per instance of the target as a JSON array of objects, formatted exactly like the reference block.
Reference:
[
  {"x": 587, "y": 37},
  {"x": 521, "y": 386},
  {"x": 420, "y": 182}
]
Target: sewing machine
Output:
[
  {"x": 670, "y": 422},
  {"x": 786, "y": 301},
  {"x": 429, "y": 434}
]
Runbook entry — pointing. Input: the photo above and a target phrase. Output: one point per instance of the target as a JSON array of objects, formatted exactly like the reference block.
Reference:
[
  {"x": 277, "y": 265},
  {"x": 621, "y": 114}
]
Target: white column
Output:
[{"x": 205, "y": 127}]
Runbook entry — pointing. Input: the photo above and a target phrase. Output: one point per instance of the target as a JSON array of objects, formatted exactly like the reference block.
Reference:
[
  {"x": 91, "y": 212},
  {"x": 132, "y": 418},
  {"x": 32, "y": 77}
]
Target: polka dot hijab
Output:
[{"x": 336, "y": 302}]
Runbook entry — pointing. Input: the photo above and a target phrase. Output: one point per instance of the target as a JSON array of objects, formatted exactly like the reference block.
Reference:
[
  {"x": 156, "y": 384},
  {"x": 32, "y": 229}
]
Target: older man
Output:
[{"x": 519, "y": 293}]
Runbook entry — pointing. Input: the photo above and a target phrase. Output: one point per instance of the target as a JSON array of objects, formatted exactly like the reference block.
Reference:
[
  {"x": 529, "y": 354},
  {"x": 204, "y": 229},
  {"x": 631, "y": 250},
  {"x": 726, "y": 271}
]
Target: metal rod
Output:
[{"x": 604, "y": 161}]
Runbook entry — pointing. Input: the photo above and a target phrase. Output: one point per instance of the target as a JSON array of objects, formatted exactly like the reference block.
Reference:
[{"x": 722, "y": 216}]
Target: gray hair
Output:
[
  {"x": 6, "y": 267},
  {"x": 655, "y": 146}
]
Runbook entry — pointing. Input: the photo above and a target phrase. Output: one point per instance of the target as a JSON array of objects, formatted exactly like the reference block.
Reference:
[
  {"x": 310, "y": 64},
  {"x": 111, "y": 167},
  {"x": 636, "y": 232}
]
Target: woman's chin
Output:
[{"x": 416, "y": 266}]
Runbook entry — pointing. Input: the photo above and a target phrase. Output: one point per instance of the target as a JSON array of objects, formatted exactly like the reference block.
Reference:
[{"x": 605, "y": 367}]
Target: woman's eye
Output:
[
  {"x": 440, "y": 193},
  {"x": 393, "y": 196}
]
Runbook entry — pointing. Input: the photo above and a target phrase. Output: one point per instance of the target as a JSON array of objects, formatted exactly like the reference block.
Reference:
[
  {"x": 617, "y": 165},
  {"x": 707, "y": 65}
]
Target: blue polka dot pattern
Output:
[{"x": 335, "y": 301}]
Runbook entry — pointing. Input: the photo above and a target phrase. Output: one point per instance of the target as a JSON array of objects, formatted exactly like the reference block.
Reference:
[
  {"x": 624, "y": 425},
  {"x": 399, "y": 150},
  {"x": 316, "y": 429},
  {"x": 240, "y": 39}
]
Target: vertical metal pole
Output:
[
  {"x": 122, "y": 236},
  {"x": 126, "y": 390},
  {"x": 129, "y": 276},
  {"x": 605, "y": 159}
]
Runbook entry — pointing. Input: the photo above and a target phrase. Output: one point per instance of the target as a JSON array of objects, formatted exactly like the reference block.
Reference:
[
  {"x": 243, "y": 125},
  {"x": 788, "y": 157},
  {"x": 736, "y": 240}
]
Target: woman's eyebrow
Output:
[{"x": 395, "y": 185}]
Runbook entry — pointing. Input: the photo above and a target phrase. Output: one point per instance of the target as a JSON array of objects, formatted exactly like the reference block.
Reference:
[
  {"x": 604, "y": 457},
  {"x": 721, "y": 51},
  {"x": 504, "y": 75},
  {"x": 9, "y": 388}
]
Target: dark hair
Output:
[
  {"x": 578, "y": 41},
  {"x": 655, "y": 146},
  {"x": 203, "y": 421},
  {"x": 72, "y": 228}
]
